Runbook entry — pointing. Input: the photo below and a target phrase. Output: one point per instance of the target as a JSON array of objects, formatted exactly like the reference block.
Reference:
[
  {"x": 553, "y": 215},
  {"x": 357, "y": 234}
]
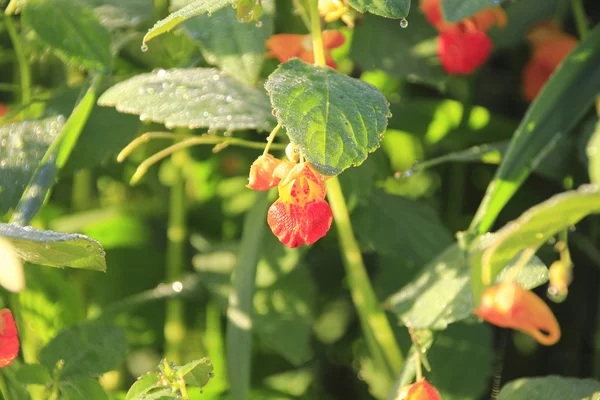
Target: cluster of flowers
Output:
[{"x": 300, "y": 215}]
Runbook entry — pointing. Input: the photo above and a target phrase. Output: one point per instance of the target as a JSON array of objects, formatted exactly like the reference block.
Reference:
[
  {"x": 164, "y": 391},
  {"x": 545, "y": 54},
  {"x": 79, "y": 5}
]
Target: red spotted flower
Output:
[
  {"x": 9, "y": 339},
  {"x": 287, "y": 45},
  {"x": 463, "y": 46}
]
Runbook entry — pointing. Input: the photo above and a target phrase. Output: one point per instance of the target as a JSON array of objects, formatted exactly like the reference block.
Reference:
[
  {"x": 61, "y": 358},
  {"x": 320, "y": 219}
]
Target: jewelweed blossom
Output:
[
  {"x": 287, "y": 45},
  {"x": 421, "y": 390},
  {"x": 550, "y": 47},
  {"x": 262, "y": 171},
  {"x": 508, "y": 305},
  {"x": 9, "y": 339}
]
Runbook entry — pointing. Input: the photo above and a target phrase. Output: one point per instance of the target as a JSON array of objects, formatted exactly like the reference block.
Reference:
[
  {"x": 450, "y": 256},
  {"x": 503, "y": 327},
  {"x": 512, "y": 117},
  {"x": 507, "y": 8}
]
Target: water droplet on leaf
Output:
[{"x": 403, "y": 23}]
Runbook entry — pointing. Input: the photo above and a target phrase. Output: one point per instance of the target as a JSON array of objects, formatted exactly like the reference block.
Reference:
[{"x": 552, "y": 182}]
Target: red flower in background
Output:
[
  {"x": 463, "y": 46},
  {"x": 550, "y": 47},
  {"x": 9, "y": 339},
  {"x": 287, "y": 45},
  {"x": 300, "y": 215},
  {"x": 421, "y": 390},
  {"x": 3, "y": 109}
]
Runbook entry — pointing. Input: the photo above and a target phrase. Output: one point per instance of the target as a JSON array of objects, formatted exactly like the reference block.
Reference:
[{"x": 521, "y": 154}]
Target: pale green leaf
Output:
[
  {"x": 385, "y": 8},
  {"x": 197, "y": 372},
  {"x": 143, "y": 385},
  {"x": 335, "y": 120},
  {"x": 456, "y": 10},
  {"x": 81, "y": 388},
  {"x": 192, "y": 98},
  {"x": 551, "y": 388}
]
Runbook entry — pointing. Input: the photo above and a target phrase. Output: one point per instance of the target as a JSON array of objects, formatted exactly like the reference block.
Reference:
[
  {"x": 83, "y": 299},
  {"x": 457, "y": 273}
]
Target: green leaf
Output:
[
  {"x": 559, "y": 106},
  {"x": 72, "y": 30},
  {"x": 335, "y": 120},
  {"x": 593, "y": 153},
  {"x": 88, "y": 350},
  {"x": 55, "y": 249},
  {"x": 534, "y": 228},
  {"x": 456, "y": 10},
  {"x": 551, "y": 388},
  {"x": 192, "y": 98},
  {"x": 14, "y": 388},
  {"x": 384, "y": 8},
  {"x": 236, "y": 48},
  {"x": 197, "y": 372},
  {"x": 440, "y": 295},
  {"x": 33, "y": 374},
  {"x": 197, "y": 7},
  {"x": 412, "y": 53},
  {"x": 143, "y": 385},
  {"x": 23, "y": 146},
  {"x": 119, "y": 14},
  {"x": 81, "y": 388},
  {"x": 377, "y": 226},
  {"x": 55, "y": 158}
]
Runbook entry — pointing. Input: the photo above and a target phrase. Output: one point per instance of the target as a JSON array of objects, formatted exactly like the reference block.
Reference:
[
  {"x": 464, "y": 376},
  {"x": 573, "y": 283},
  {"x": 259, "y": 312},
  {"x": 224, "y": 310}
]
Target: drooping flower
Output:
[
  {"x": 9, "y": 339},
  {"x": 332, "y": 10},
  {"x": 463, "y": 46},
  {"x": 508, "y": 305},
  {"x": 300, "y": 215},
  {"x": 421, "y": 390},
  {"x": 287, "y": 45},
  {"x": 550, "y": 47},
  {"x": 262, "y": 175}
]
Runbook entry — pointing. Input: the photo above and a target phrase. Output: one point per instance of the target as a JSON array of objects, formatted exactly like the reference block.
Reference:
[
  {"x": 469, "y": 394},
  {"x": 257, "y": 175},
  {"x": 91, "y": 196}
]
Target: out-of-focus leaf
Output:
[
  {"x": 22, "y": 147},
  {"x": 81, "y": 388},
  {"x": 143, "y": 385},
  {"x": 192, "y": 98},
  {"x": 456, "y": 10},
  {"x": 235, "y": 47},
  {"x": 385, "y": 8},
  {"x": 11, "y": 268},
  {"x": 559, "y": 106},
  {"x": 412, "y": 54},
  {"x": 15, "y": 389},
  {"x": 295, "y": 382},
  {"x": 531, "y": 230},
  {"x": 593, "y": 153},
  {"x": 399, "y": 227},
  {"x": 335, "y": 120},
  {"x": 86, "y": 350},
  {"x": 550, "y": 388},
  {"x": 441, "y": 294},
  {"x": 33, "y": 374},
  {"x": 119, "y": 14},
  {"x": 72, "y": 29},
  {"x": 54, "y": 249},
  {"x": 197, "y": 372},
  {"x": 197, "y": 7}
]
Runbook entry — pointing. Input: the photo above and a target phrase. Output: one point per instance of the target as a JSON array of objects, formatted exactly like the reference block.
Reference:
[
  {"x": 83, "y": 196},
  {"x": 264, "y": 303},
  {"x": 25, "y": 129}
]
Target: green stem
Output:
[
  {"x": 23, "y": 63},
  {"x": 317, "y": 36},
  {"x": 270, "y": 139},
  {"x": 580, "y": 18},
  {"x": 373, "y": 319},
  {"x": 176, "y": 234},
  {"x": 11, "y": 7}
]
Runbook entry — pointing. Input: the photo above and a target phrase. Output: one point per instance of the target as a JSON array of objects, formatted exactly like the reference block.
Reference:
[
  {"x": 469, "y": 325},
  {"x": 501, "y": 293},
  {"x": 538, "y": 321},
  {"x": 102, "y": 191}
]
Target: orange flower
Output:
[
  {"x": 287, "y": 45},
  {"x": 262, "y": 175},
  {"x": 9, "y": 339},
  {"x": 300, "y": 215},
  {"x": 461, "y": 53},
  {"x": 508, "y": 305},
  {"x": 550, "y": 47},
  {"x": 421, "y": 390}
]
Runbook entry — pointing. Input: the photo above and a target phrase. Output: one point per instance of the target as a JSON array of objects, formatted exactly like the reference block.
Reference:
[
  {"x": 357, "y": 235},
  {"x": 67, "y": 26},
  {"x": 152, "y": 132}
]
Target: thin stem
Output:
[
  {"x": 372, "y": 317},
  {"x": 11, "y": 7},
  {"x": 9, "y": 87},
  {"x": 270, "y": 139},
  {"x": 580, "y": 18},
  {"x": 23, "y": 63},
  {"x": 301, "y": 11},
  {"x": 419, "y": 369},
  {"x": 176, "y": 234},
  {"x": 317, "y": 36},
  {"x": 145, "y": 138}
]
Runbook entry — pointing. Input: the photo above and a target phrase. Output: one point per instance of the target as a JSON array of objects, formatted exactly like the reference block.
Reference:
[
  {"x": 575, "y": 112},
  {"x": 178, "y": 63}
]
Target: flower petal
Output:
[
  {"x": 9, "y": 339},
  {"x": 461, "y": 53},
  {"x": 262, "y": 173}
]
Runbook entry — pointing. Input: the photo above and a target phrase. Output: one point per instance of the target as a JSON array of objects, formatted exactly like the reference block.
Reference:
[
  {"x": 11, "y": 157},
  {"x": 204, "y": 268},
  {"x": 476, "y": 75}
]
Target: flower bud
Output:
[{"x": 262, "y": 173}]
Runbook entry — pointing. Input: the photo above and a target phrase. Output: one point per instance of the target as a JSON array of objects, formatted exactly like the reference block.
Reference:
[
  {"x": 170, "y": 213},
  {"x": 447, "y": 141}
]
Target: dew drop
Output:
[
  {"x": 144, "y": 48},
  {"x": 403, "y": 23},
  {"x": 259, "y": 24}
]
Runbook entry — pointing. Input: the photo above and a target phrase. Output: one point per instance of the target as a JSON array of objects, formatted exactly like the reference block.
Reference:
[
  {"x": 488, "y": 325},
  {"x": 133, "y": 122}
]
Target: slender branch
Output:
[
  {"x": 23, "y": 63},
  {"x": 317, "y": 36},
  {"x": 270, "y": 139},
  {"x": 580, "y": 18},
  {"x": 11, "y": 7}
]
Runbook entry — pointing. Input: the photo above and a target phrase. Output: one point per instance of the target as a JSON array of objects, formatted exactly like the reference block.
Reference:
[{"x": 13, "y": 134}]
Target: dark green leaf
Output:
[
  {"x": 456, "y": 10},
  {"x": 81, "y": 388},
  {"x": 400, "y": 227},
  {"x": 335, "y": 120},
  {"x": 197, "y": 7},
  {"x": 533, "y": 228},
  {"x": 87, "y": 350},
  {"x": 15, "y": 389},
  {"x": 551, "y": 388},
  {"x": 33, "y": 374},
  {"x": 412, "y": 53},
  {"x": 192, "y": 98},
  {"x": 55, "y": 249},
  {"x": 23, "y": 145},
  {"x": 235, "y": 47},
  {"x": 72, "y": 30},
  {"x": 143, "y": 385},
  {"x": 385, "y": 8},
  {"x": 440, "y": 295},
  {"x": 559, "y": 106},
  {"x": 197, "y": 372}
]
